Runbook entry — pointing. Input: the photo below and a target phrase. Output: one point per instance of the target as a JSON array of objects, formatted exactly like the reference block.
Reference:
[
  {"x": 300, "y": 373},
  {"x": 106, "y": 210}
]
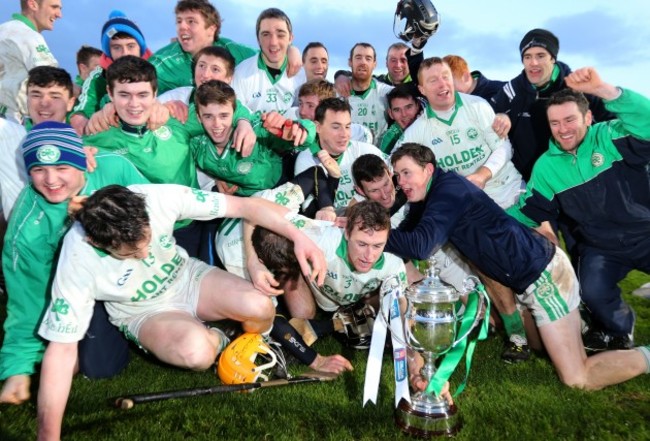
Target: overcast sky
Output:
[{"x": 612, "y": 36}]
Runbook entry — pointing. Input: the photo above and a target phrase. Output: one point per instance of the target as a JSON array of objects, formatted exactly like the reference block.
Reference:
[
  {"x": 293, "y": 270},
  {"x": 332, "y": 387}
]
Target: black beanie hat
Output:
[{"x": 540, "y": 38}]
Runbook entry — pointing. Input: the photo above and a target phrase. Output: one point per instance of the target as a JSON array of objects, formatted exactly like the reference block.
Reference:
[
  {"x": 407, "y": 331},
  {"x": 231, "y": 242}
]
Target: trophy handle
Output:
[
  {"x": 389, "y": 284},
  {"x": 473, "y": 284}
]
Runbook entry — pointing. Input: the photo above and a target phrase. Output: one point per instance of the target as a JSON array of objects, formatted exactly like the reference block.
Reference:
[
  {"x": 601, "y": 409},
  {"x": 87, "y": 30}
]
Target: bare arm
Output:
[
  {"x": 269, "y": 215},
  {"x": 261, "y": 277},
  {"x": 56, "y": 380}
]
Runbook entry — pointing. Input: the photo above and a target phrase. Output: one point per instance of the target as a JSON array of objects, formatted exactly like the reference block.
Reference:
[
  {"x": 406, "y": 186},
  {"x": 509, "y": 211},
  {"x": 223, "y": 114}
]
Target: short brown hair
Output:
[
  {"x": 367, "y": 215},
  {"x": 207, "y": 11},
  {"x": 366, "y": 45},
  {"x": 417, "y": 152},
  {"x": 427, "y": 63},
  {"x": 214, "y": 92},
  {"x": 569, "y": 96},
  {"x": 322, "y": 88},
  {"x": 217, "y": 52}
]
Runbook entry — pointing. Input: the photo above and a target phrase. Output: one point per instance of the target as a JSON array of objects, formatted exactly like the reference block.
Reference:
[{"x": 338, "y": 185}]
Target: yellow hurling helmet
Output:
[{"x": 245, "y": 360}]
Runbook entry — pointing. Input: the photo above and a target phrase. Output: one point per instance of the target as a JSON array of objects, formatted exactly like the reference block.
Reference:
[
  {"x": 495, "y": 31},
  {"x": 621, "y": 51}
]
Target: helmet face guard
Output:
[
  {"x": 415, "y": 20},
  {"x": 245, "y": 360}
]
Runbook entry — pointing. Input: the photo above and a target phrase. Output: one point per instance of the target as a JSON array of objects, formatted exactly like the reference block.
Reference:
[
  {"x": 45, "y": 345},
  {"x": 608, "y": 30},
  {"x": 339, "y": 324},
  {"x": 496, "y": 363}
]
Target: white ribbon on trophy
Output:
[{"x": 389, "y": 303}]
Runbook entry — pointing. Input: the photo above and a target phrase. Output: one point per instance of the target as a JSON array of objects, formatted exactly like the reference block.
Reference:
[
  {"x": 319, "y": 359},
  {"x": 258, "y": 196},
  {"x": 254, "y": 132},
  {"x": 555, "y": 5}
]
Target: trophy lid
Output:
[{"x": 431, "y": 288}]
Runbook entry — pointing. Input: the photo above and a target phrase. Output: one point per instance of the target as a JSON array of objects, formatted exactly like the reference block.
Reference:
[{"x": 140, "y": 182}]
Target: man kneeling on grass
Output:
[{"x": 122, "y": 251}]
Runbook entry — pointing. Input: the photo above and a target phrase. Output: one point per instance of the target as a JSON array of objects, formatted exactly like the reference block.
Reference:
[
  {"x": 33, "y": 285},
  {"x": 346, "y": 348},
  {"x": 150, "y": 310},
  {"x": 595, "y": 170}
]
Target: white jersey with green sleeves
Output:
[
  {"x": 229, "y": 243},
  {"x": 465, "y": 142},
  {"x": 345, "y": 191},
  {"x": 255, "y": 87},
  {"x": 343, "y": 284},
  {"x": 131, "y": 286},
  {"x": 369, "y": 109}
]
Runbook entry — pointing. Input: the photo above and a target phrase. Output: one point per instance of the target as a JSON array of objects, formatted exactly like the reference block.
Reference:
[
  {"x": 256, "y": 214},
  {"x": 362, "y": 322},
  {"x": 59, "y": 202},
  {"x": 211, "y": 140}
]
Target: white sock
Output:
[{"x": 645, "y": 351}]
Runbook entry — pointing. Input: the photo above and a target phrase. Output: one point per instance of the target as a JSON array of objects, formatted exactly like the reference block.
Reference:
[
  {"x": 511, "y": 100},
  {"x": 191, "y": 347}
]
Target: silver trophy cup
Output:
[{"x": 430, "y": 324}]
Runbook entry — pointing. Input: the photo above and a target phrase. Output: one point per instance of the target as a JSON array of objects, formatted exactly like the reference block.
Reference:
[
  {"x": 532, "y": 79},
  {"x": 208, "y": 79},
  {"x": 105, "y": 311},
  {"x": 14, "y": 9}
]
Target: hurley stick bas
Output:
[{"x": 127, "y": 402}]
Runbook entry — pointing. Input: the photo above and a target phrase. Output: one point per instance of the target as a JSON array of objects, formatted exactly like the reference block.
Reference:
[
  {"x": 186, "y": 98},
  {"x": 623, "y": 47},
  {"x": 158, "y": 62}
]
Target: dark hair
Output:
[
  {"x": 131, "y": 69},
  {"x": 417, "y": 152},
  {"x": 569, "y": 96},
  {"x": 319, "y": 87},
  {"x": 272, "y": 13},
  {"x": 427, "y": 63},
  {"x": 276, "y": 252},
  {"x": 206, "y": 9},
  {"x": 399, "y": 45},
  {"x": 333, "y": 104},
  {"x": 217, "y": 52},
  {"x": 366, "y": 45},
  {"x": 85, "y": 53},
  {"x": 214, "y": 92},
  {"x": 114, "y": 216},
  {"x": 341, "y": 72},
  {"x": 400, "y": 91},
  {"x": 367, "y": 168},
  {"x": 44, "y": 76},
  {"x": 367, "y": 215},
  {"x": 312, "y": 45}
]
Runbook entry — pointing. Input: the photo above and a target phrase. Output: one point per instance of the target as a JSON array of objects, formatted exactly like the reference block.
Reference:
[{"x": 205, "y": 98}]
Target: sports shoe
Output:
[
  {"x": 620, "y": 342},
  {"x": 595, "y": 340},
  {"x": 516, "y": 350},
  {"x": 354, "y": 325}
]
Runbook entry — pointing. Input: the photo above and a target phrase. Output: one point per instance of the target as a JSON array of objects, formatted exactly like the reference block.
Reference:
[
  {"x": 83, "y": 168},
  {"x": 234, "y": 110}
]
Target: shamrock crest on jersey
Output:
[{"x": 163, "y": 133}]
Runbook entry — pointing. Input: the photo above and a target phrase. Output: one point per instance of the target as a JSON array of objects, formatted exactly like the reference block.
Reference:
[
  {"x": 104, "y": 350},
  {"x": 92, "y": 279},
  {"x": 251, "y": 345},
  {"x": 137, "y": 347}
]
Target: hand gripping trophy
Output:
[{"x": 430, "y": 327}]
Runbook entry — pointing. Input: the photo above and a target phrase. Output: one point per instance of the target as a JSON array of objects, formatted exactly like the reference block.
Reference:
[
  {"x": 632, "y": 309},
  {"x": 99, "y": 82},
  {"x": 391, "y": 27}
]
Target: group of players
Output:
[{"x": 324, "y": 190}]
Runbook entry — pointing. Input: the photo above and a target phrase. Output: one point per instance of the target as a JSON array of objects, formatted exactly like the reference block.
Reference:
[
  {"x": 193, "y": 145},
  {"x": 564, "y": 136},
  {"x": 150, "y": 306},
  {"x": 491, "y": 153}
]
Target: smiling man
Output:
[
  {"x": 445, "y": 207},
  {"x": 597, "y": 176},
  {"x": 198, "y": 25},
  {"x": 315, "y": 60},
  {"x": 367, "y": 95},
  {"x": 52, "y": 154},
  {"x": 263, "y": 82},
  {"x": 524, "y": 98},
  {"x": 122, "y": 251}
]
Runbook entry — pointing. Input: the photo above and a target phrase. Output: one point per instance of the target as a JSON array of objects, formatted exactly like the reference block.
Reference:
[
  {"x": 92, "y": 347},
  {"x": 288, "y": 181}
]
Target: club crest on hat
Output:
[{"x": 48, "y": 153}]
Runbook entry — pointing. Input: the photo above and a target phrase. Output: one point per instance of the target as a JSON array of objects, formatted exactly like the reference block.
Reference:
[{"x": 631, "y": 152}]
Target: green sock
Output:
[
  {"x": 645, "y": 351},
  {"x": 513, "y": 324}
]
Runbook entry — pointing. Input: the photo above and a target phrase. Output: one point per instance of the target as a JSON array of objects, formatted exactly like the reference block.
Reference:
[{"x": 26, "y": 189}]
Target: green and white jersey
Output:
[
  {"x": 163, "y": 155},
  {"x": 174, "y": 65},
  {"x": 345, "y": 191},
  {"x": 260, "y": 170},
  {"x": 131, "y": 286},
  {"x": 465, "y": 141},
  {"x": 92, "y": 93},
  {"x": 343, "y": 284},
  {"x": 358, "y": 132},
  {"x": 255, "y": 86},
  {"x": 22, "y": 48},
  {"x": 229, "y": 243},
  {"x": 369, "y": 109},
  {"x": 13, "y": 175},
  {"x": 32, "y": 242}
]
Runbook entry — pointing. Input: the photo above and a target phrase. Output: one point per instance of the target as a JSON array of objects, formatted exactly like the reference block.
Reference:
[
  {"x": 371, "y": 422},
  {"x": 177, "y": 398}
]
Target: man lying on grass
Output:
[{"x": 122, "y": 251}]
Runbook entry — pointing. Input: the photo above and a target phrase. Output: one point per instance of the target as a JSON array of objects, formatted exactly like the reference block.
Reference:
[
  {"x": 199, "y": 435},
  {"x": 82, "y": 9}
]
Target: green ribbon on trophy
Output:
[{"x": 454, "y": 355}]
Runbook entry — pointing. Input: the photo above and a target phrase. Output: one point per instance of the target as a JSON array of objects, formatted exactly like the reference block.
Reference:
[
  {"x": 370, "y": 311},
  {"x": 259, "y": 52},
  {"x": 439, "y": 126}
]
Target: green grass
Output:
[{"x": 522, "y": 402}]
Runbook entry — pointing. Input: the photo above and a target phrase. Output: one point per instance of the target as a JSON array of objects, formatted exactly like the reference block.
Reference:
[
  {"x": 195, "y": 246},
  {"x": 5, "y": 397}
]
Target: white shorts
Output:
[
  {"x": 555, "y": 293},
  {"x": 185, "y": 298}
]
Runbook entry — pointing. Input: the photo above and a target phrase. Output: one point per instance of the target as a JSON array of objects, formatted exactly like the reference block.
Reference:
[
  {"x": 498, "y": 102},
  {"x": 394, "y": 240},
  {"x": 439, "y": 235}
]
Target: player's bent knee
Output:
[
  {"x": 198, "y": 357},
  {"x": 576, "y": 380},
  {"x": 262, "y": 309}
]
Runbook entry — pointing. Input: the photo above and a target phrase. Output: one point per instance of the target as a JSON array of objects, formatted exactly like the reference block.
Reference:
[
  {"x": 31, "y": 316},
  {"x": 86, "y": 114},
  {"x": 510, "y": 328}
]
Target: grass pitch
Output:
[{"x": 501, "y": 402}]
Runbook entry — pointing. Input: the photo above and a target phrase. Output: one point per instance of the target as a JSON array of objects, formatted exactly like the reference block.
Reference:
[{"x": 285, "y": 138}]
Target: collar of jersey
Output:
[
  {"x": 27, "y": 21},
  {"x": 432, "y": 114},
  {"x": 262, "y": 66},
  {"x": 373, "y": 85},
  {"x": 133, "y": 130},
  {"x": 342, "y": 252},
  {"x": 554, "y": 76}
]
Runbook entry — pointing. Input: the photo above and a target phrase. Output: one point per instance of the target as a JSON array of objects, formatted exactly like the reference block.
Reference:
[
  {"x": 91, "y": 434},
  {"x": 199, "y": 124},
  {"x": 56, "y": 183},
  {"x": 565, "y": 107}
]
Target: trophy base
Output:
[{"x": 424, "y": 420}]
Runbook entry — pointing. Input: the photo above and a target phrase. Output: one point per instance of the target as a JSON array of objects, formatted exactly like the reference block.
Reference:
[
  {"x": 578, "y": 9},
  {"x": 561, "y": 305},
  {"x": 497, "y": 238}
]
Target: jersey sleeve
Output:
[
  {"x": 68, "y": 315},
  {"x": 184, "y": 202},
  {"x": 92, "y": 91}
]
